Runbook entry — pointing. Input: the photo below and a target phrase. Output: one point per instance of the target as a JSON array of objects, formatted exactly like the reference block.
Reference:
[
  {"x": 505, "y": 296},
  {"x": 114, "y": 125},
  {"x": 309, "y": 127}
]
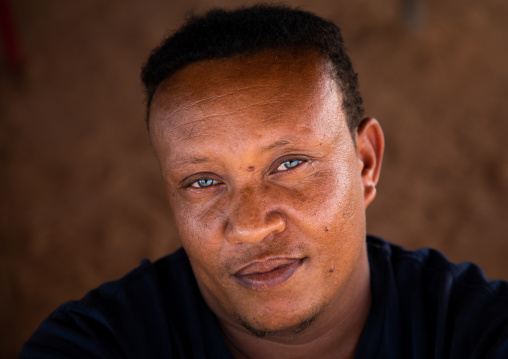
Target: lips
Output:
[{"x": 267, "y": 274}]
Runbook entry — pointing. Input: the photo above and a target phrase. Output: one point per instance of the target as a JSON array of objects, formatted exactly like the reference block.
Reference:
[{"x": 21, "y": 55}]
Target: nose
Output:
[{"x": 251, "y": 219}]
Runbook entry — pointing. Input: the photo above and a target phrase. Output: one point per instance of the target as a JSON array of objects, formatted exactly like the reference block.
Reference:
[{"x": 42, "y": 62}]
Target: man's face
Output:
[{"x": 265, "y": 185}]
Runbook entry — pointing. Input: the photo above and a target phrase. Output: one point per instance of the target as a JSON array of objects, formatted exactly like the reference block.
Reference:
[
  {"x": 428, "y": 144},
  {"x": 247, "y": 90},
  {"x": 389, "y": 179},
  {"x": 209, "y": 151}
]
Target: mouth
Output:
[{"x": 268, "y": 274}]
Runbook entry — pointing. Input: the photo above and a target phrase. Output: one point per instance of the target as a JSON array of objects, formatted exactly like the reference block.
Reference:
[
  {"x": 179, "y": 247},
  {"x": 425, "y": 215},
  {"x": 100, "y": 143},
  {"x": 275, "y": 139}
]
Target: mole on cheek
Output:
[{"x": 250, "y": 168}]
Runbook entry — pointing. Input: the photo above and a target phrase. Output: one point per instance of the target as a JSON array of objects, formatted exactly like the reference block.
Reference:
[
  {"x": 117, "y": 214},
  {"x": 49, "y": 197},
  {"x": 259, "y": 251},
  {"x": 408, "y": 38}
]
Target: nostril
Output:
[
  {"x": 254, "y": 230},
  {"x": 276, "y": 221}
]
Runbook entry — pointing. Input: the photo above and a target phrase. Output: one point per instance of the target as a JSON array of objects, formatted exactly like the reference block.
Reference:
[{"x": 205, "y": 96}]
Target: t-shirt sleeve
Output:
[
  {"x": 155, "y": 311},
  {"x": 73, "y": 331},
  {"x": 500, "y": 348},
  {"x": 120, "y": 319}
]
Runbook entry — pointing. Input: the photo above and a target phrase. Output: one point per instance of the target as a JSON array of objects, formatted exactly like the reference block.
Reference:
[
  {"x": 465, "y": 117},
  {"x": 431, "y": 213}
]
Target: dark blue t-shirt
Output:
[{"x": 423, "y": 306}]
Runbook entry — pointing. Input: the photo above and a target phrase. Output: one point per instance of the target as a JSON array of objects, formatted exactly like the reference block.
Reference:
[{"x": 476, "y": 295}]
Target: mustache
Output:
[{"x": 260, "y": 252}]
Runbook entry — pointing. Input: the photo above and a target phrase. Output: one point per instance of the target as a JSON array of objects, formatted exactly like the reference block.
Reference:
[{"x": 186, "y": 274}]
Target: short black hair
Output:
[{"x": 220, "y": 34}]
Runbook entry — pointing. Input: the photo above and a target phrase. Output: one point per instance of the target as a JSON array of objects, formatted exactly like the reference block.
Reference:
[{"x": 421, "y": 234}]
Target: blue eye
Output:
[
  {"x": 203, "y": 183},
  {"x": 287, "y": 165}
]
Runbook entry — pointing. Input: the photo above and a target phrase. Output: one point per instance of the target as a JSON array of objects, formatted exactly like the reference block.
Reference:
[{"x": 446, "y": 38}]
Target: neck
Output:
[{"x": 334, "y": 334}]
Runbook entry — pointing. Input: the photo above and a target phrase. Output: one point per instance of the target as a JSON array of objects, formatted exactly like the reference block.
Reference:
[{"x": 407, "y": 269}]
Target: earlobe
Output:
[{"x": 370, "y": 147}]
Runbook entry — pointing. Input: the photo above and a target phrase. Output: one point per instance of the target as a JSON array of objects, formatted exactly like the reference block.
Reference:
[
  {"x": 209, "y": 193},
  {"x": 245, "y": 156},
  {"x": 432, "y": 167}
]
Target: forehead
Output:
[
  {"x": 246, "y": 97},
  {"x": 305, "y": 67}
]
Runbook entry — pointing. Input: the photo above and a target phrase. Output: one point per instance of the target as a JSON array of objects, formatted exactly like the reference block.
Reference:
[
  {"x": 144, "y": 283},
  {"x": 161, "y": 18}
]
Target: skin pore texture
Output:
[{"x": 269, "y": 193}]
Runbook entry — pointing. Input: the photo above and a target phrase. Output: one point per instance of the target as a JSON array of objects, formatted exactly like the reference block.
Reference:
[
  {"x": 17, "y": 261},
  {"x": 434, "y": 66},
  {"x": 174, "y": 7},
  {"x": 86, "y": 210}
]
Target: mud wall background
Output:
[{"x": 81, "y": 198}]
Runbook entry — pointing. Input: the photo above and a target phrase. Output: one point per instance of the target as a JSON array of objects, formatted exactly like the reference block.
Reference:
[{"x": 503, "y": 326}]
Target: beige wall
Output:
[{"x": 81, "y": 198}]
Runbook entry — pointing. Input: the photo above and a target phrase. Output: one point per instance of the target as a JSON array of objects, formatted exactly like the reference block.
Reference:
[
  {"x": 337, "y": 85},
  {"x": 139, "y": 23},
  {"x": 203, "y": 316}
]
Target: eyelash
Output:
[
  {"x": 299, "y": 162},
  {"x": 206, "y": 179},
  {"x": 207, "y": 182}
]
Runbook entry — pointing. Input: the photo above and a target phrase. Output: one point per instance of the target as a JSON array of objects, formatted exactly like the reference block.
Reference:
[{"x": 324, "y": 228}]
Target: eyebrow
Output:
[
  {"x": 192, "y": 161},
  {"x": 280, "y": 143},
  {"x": 198, "y": 160}
]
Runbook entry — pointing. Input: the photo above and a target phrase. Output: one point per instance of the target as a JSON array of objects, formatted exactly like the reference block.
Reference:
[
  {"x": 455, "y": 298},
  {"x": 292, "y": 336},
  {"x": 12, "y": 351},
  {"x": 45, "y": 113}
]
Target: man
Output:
[{"x": 256, "y": 121}]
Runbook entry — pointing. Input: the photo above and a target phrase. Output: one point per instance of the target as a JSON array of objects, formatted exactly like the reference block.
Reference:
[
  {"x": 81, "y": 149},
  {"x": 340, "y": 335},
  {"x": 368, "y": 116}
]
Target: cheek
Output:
[
  {"x": 198, "y": 228},
  {"x": 330, "y": 212},
  {"x": 327, "y": 199}
]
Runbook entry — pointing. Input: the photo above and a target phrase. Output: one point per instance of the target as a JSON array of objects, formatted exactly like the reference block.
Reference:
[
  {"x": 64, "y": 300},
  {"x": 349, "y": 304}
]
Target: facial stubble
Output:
[{"x": 285, "y": 331}]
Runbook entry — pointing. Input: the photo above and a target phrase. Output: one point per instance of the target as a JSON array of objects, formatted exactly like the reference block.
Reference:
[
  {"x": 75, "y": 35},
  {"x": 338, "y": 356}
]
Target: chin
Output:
[{"x": 272, "y": 329}]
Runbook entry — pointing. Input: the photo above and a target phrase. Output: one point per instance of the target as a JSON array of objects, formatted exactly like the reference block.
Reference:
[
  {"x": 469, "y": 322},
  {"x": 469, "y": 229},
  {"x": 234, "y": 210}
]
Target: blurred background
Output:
[{"x": 81, "y": 199}]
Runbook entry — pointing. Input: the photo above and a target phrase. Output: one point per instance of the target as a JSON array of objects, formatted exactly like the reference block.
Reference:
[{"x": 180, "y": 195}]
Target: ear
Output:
[{"x": 370, "y": 146}]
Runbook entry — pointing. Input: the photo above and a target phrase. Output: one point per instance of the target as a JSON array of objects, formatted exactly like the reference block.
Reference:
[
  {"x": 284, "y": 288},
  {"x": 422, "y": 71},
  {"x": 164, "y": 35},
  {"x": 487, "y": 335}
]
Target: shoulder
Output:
[
  {"x": 122, "y": 316},
  {"x": 147, "y": 287},
  {"x": 430, "y": 267},
  {"x": 436, "y": 304}
]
